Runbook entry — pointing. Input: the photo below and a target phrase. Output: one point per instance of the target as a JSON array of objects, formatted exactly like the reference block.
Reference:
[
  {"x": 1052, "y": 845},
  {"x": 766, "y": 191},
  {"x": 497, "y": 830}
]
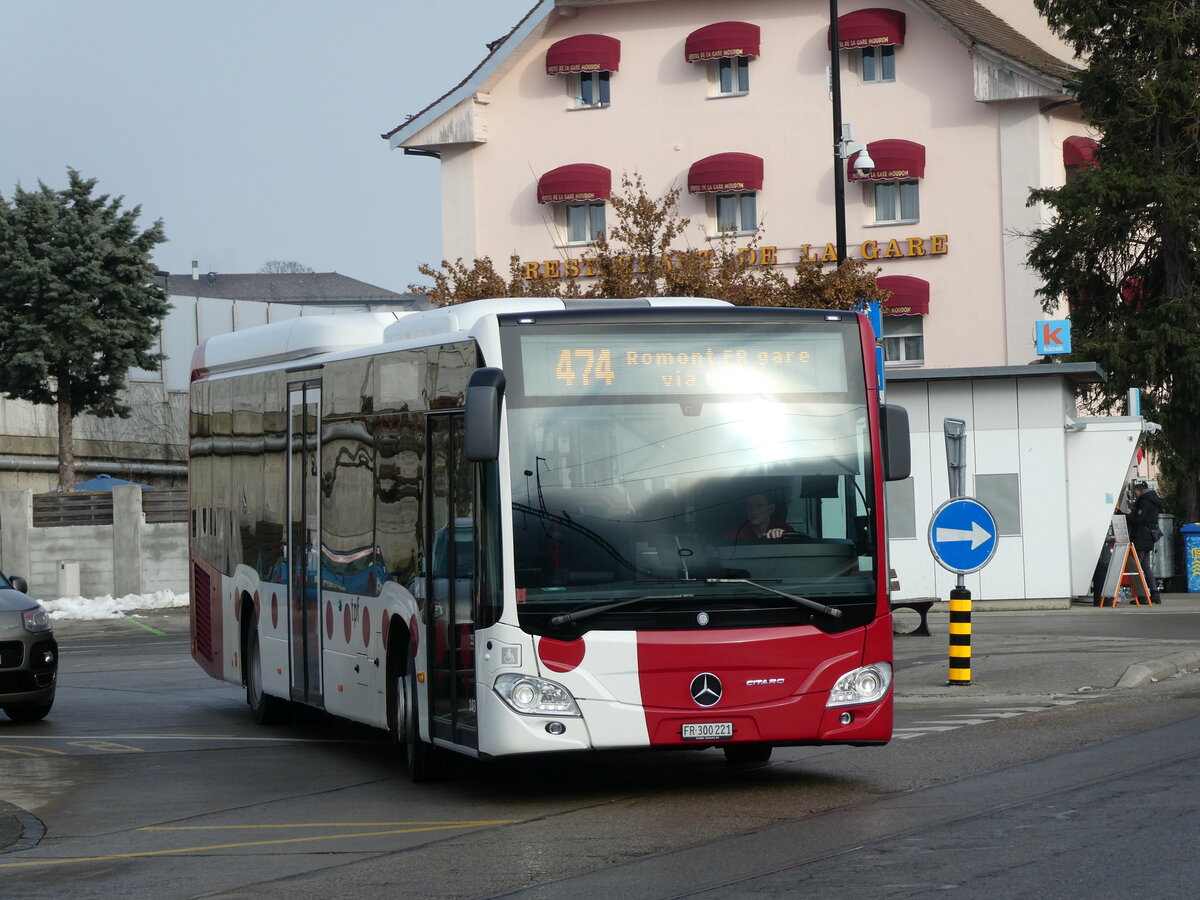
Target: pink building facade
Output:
[{"x": 962, "y": 112}]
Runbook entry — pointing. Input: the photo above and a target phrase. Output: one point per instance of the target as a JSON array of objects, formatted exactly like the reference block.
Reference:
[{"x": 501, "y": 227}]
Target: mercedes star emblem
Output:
[{"x": 706, "y": 689}]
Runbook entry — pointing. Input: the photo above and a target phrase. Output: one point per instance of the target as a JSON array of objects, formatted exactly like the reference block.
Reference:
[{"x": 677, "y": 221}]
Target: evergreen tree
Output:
[
  {"x": 79, "y": 302},
  {"x": 1122, "y": 247}
]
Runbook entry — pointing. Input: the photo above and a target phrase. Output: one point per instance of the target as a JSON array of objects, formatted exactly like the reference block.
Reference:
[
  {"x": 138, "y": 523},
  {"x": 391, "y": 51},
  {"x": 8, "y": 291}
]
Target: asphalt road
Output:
[{"x": 1073, "y": 738}]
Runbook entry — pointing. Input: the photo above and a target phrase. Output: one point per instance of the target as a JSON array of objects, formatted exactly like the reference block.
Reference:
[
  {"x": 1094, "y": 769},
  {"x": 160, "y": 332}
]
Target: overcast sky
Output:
[{"x": 250, "y": 127}]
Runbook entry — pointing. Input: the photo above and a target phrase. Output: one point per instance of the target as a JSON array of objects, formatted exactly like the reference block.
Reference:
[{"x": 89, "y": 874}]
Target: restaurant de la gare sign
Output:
[{"x": 896, "y": 248}]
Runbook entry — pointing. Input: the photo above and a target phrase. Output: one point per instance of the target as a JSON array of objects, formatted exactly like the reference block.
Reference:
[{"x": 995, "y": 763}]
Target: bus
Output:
[{"x": 523, "y": 526}]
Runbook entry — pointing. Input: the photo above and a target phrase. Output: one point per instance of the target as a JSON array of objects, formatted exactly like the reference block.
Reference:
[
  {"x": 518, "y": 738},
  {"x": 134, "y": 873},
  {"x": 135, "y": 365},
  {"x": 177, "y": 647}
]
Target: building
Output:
[
  {"x": 963, "y": 107},
  {"x": 962, "y": 113},
  {"x": 151, "y": 445}
]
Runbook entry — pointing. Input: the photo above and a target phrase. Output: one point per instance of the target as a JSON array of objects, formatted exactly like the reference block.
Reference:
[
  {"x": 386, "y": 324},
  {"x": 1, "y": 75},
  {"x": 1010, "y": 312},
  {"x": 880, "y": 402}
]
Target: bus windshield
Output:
[{"x": 729, "y": 462}]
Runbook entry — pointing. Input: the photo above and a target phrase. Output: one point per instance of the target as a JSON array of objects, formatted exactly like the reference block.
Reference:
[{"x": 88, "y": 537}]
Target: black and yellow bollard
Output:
[{"x": 960, "y": 636}]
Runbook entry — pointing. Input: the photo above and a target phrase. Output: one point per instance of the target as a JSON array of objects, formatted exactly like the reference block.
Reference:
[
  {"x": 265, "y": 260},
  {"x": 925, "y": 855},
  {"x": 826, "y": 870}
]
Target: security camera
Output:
[{"x": 863, "y": 162}]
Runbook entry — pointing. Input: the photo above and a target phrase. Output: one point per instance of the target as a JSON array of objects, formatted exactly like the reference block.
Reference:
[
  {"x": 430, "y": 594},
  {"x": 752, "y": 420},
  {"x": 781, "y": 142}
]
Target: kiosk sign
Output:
[{"x": 962, "y": 535}]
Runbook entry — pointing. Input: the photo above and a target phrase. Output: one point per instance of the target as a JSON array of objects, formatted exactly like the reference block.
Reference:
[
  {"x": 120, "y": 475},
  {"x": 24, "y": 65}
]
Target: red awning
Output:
[
  {"x": 1079, "y": 151},
  {"x": 578, "y": 181},
  {"x": 869, "y": 28},
  {"x": 894, "y": 160},
  {"x": 910, "y": 296},
  {"x": 583, "y": 53},
  {"x": 721, "y": 39},
  {"x": 726, "y": 172}
]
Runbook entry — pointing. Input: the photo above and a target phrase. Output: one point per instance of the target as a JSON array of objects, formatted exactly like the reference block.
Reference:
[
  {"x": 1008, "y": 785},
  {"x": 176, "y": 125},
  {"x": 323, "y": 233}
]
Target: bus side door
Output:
[
  {"x": 451, "y": 537},
  {"x": 304, "y": 539}
]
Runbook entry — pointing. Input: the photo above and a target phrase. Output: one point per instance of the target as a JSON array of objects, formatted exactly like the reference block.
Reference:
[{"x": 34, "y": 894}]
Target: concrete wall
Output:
[{"x": 127, "y": 557}]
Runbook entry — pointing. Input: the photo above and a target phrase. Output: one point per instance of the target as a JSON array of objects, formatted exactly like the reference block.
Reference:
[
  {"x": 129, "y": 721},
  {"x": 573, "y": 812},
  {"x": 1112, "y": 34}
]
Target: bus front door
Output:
[
  {"x": 304, "y": 539},
  {"x": 450, "y": 538}
]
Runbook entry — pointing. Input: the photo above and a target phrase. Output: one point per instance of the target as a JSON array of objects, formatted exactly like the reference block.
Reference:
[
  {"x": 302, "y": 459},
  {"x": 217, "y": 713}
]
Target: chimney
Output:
[{"x": 195, "y": 270}]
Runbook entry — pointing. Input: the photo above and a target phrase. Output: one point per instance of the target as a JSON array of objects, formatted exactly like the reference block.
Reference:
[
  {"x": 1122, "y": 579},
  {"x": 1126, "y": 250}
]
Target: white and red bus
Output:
[{"x": 528, "y": 526}]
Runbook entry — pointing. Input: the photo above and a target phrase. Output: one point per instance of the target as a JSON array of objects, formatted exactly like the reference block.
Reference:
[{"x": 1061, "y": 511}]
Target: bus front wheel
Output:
[
  {"x": 747, "y": 753},
  {"x": 422, "y": 757},
  {"x": 265, "y": 709}
]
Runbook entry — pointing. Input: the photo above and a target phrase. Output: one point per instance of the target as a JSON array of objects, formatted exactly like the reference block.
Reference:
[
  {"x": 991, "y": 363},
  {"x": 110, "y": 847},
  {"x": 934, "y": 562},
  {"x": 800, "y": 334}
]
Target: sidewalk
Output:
[{"x": 1075, "y": 654}]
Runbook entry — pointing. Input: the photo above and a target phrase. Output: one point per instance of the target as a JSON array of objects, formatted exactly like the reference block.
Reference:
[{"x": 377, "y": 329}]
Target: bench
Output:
[
  {"x": 920, "y": 606},
  {"x": 922, "y": 609}
]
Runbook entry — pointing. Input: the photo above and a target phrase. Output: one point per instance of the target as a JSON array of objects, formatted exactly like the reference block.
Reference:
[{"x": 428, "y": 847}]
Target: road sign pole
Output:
[
  {"x": 956, "y": 456},
  {"x": 960, "y": 635}
]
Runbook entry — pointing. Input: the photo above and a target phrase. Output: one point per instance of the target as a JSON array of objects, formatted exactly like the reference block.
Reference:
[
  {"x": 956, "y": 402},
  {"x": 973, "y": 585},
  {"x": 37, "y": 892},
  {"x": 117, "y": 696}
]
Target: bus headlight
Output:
[
  {"x": 536, "y": 696},
  {"x": 864, "y": 685}
]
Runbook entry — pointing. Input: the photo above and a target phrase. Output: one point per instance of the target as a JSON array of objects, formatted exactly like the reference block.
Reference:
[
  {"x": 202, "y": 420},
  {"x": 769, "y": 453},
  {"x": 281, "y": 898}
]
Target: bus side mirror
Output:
[
  {"x": 897, "y": 450},
  {"x": 485, "y": 391}
]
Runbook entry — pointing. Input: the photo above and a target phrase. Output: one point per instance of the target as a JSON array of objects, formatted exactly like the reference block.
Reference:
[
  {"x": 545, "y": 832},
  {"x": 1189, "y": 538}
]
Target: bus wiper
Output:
[
  {"x": 589, "y": 611},
  {"x": 803, "y": 601}
]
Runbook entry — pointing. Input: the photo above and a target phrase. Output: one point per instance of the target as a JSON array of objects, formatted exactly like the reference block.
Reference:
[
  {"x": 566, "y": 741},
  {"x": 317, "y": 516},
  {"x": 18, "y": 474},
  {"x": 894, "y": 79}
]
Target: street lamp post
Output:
[
  {"x": 842, "y": 146},
  {"x": 839, "y": 168}
]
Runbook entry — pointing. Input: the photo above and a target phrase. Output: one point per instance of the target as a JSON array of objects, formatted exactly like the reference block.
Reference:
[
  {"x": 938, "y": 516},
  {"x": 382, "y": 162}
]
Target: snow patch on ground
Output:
[{"x": 108, "y": 607}]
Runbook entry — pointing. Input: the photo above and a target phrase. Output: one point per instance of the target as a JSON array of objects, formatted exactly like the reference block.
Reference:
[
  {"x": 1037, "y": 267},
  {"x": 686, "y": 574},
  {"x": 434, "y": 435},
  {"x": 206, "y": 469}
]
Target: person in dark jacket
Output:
[{"x": 1143, "y": 531}]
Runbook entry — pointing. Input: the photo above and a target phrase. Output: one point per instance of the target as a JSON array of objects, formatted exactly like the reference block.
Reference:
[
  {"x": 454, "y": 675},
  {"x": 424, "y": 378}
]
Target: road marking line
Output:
[
  {"x": 299, "y": 840},
  {"x": 197, "y": 737},
  {"x": 20, "y": 750},
  {"x": 147, "y": 627},
  {"x": 328, "y": 825}
]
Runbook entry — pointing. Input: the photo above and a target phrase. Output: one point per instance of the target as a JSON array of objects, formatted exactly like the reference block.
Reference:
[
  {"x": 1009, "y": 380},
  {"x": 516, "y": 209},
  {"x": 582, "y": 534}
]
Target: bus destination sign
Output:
[{"x": 598, "y": 364}]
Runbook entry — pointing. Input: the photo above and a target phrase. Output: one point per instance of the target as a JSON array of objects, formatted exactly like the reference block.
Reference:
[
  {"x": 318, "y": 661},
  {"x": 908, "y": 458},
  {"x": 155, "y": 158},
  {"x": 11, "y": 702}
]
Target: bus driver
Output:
[{"x": 760, "y": 523}]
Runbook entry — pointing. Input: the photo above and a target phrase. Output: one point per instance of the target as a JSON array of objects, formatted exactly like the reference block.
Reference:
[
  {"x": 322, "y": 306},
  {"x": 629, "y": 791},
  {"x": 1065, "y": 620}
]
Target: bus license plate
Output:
[{"x": 707, "y": 731}]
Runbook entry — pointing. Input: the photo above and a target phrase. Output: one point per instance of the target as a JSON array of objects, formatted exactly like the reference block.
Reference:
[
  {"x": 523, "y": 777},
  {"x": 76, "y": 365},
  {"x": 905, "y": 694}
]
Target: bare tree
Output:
[{"x": 283, "y": 267}]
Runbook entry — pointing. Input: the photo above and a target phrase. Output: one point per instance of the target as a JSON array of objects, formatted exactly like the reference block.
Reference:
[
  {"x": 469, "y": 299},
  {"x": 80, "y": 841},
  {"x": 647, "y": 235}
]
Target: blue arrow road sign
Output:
[{"x": 962, "y": 535}]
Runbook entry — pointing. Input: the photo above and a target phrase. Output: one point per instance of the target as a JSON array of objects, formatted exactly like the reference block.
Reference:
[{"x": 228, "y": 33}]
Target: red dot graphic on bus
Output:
[
  {"x": 257, "y": 608},
  {"x": 329, "y": 619},
  {"x": 346, "y": 626},
  {"x": 366, "y": 613},
  {"x": 384, "y": 627},
  {"x": 561, "y": 656},
  {"x": 274, "y": 610},
  {"x": 413, "y": 641}
]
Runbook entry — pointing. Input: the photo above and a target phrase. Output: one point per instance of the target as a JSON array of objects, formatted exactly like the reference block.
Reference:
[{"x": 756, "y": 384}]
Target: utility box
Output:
[
  {"x": 1191, "y": 556},
  {"x": 1166, "y": 566},
  {"x": 68, "y": 578}
]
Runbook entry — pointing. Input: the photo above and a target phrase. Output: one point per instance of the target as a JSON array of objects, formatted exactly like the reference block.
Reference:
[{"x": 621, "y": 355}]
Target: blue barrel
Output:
[{"x": 1191, "y": 555}]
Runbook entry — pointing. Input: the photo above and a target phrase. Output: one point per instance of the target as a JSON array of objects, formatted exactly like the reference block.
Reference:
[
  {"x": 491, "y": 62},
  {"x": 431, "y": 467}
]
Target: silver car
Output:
[{"x": 28, "y": 653}]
